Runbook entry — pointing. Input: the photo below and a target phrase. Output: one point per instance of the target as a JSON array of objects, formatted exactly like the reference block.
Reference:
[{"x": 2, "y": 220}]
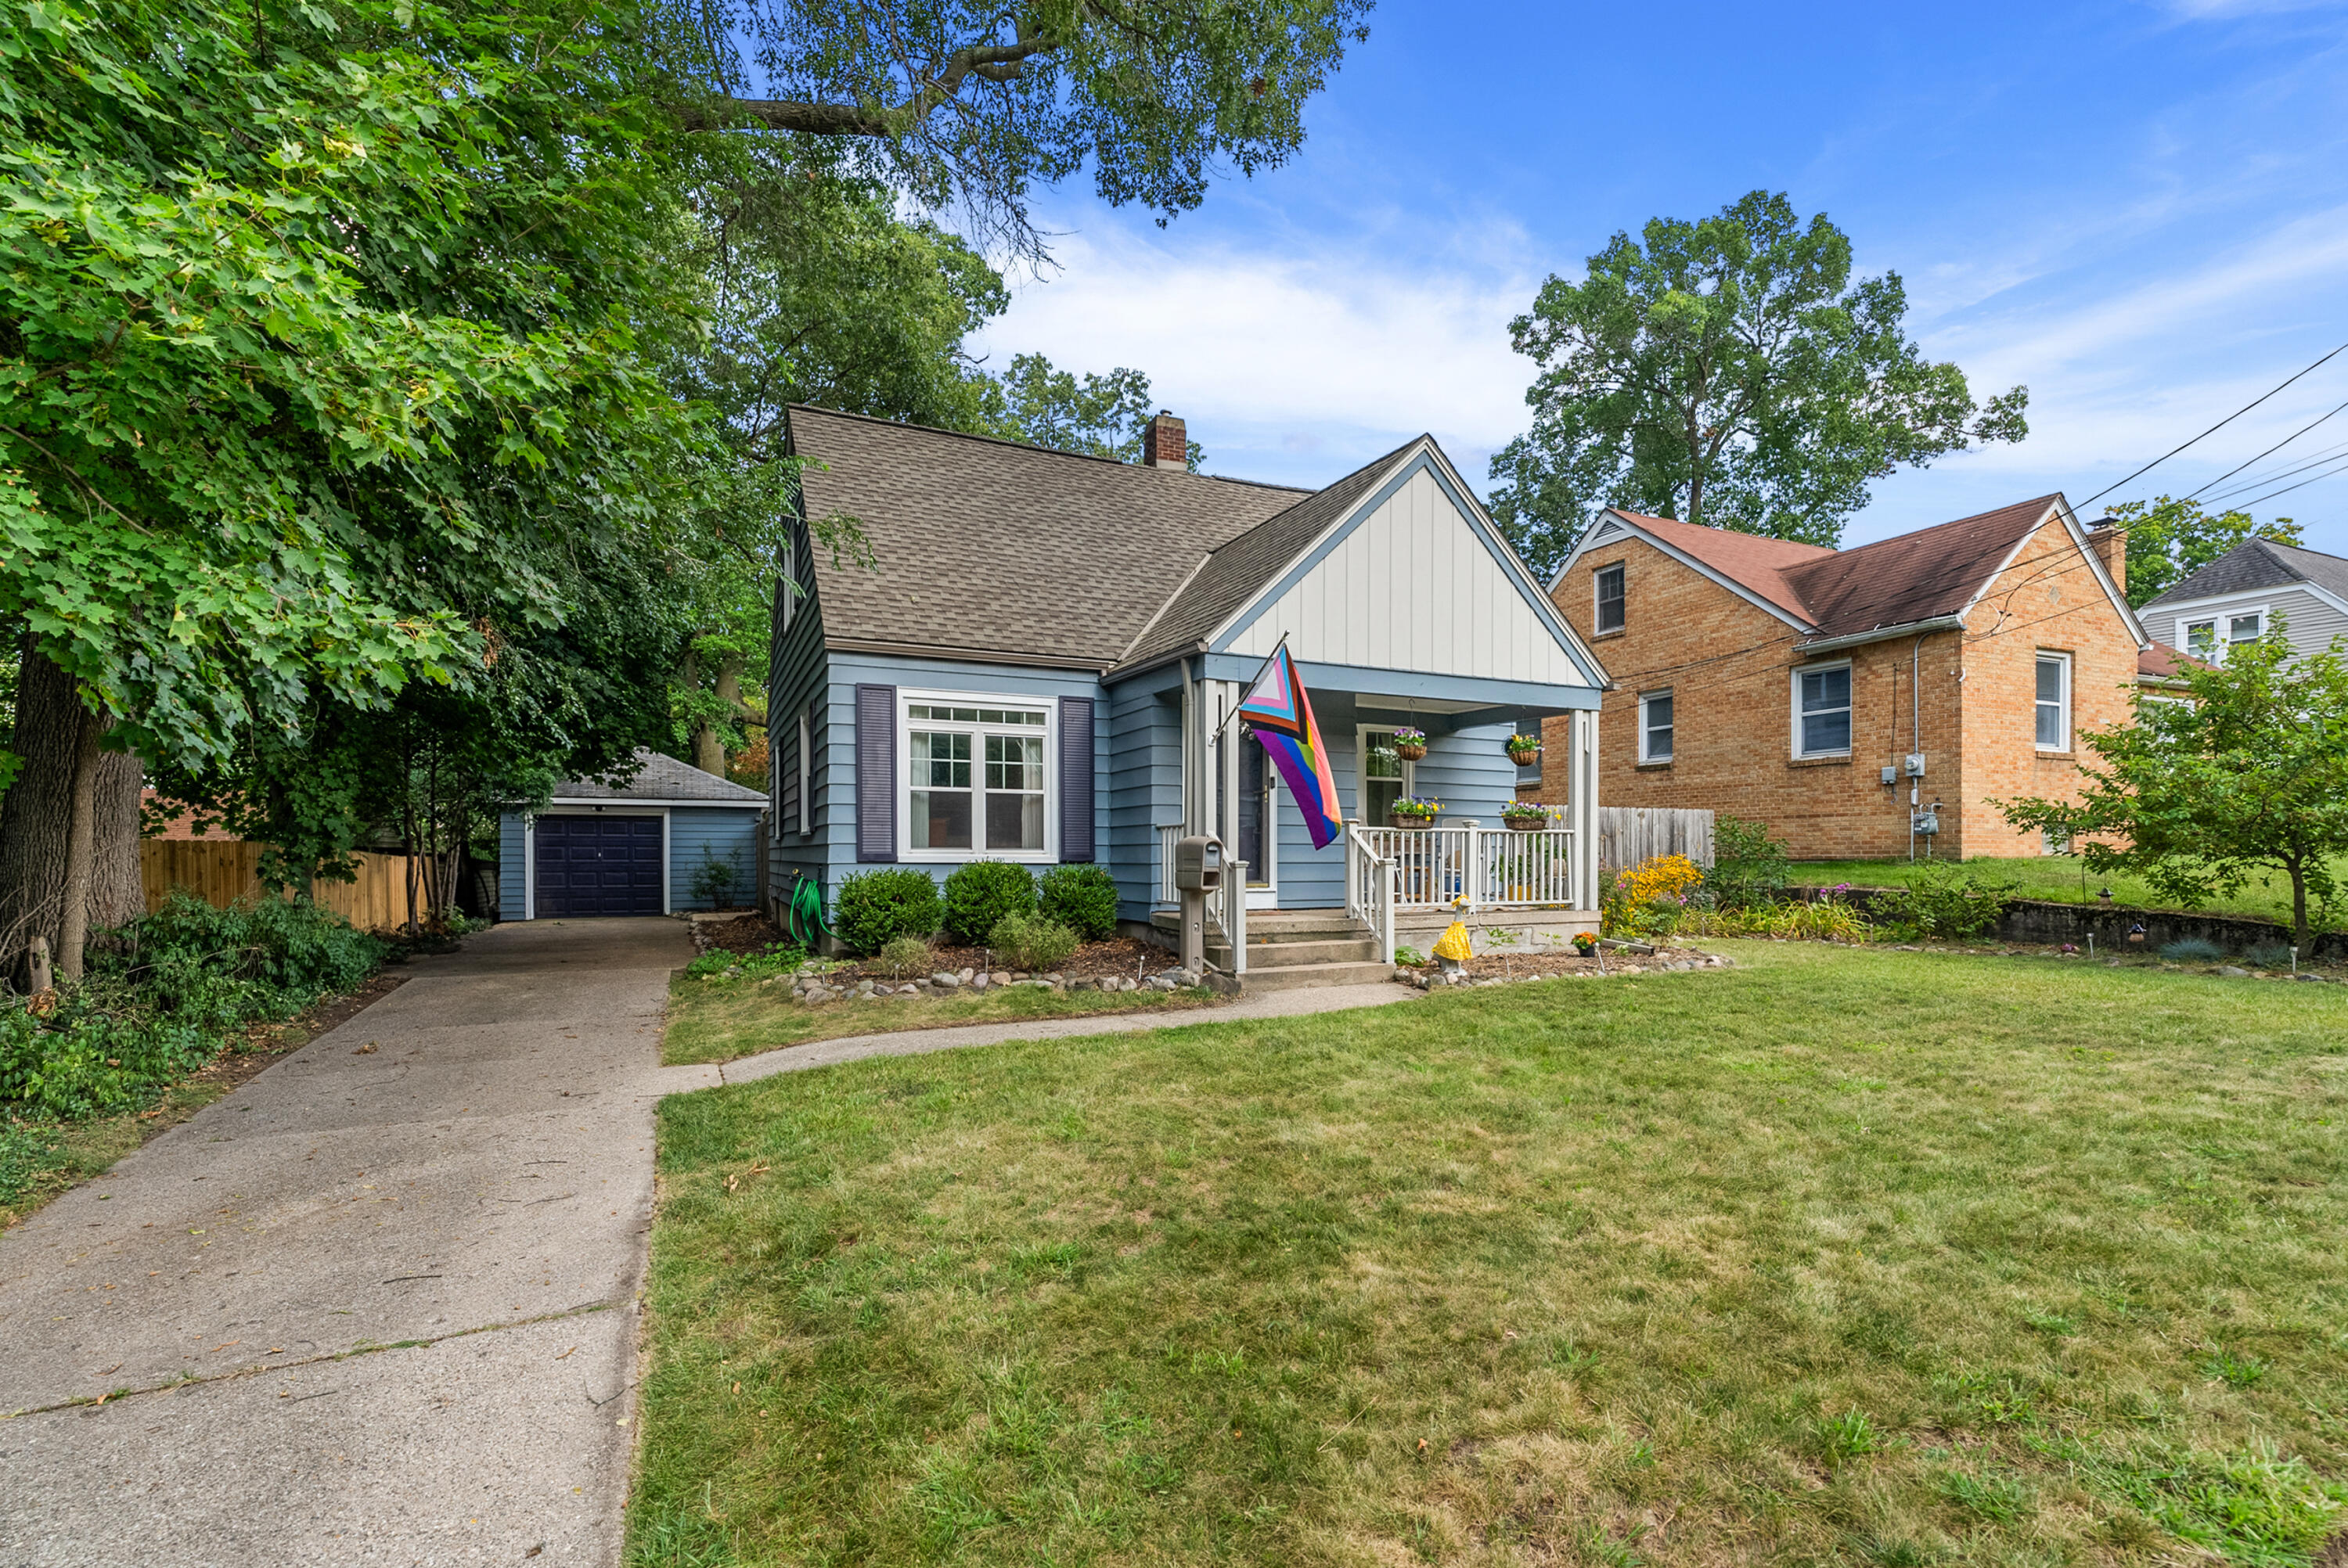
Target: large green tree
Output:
[
  {"x": 2246, "y": 777},
  {"x": 1730, "y": 372},
  {"x": 2169, "y": 538}
]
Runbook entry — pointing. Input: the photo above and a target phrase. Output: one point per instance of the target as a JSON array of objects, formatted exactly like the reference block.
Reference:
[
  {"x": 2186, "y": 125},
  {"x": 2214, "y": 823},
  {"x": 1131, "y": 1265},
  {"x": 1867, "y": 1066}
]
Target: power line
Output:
[
  {"x": 2337, "y": 468},
  {"x": 2245, "y": 408},
  {"x": 2261, "y": 481},
  {"x": 2269, "y": 452}
]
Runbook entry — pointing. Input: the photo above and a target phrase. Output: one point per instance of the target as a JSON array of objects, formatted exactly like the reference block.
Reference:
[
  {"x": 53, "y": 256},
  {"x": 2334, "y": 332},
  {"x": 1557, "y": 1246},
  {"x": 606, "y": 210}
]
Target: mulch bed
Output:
[
  {"x": 1119, "y": 955},
  {"x": 1496, "y": 968}
]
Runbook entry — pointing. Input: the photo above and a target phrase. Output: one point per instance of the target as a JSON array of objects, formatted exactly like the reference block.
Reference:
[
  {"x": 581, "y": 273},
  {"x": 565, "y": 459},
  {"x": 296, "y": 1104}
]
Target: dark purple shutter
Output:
[
  {"x": 1076, "y": 779},
  {"x": 876, "y": 772}
]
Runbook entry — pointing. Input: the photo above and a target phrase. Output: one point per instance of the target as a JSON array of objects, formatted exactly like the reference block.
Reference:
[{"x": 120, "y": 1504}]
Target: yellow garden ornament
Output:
[{"x": 1453, "y": 944}]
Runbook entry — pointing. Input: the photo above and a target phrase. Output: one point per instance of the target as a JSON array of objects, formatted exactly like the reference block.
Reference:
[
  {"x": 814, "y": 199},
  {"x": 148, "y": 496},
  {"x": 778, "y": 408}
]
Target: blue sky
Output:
[{"x": 2138, "y": 210}]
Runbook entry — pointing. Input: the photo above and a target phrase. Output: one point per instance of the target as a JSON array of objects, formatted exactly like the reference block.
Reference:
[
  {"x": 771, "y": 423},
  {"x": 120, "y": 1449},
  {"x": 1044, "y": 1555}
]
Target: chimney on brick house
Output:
[
  {"x": 2108, "y": 540},
  {"x": 1164, "y": 443}
]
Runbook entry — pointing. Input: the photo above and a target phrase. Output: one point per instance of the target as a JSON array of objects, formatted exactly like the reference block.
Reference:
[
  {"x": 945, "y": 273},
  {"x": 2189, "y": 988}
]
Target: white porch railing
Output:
[
  {"x": 1370, "y": 888},
  {"x": 1433, "y": 867},
  {"x": 1226, "y": 913}
]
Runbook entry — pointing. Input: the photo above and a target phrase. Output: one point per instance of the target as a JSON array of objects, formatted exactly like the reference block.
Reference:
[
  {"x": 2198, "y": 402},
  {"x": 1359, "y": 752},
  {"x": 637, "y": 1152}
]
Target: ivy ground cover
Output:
[{"x": 1844, "y": 1255}]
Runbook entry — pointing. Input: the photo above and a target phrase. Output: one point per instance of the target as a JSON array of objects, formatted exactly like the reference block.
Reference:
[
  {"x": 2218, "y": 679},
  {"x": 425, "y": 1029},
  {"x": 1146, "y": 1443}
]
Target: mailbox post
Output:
[{"x": 1198, "y": 871}]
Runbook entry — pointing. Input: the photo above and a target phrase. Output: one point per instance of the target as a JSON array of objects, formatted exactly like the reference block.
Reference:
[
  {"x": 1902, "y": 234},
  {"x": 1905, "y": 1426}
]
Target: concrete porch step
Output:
[
  {"x": 1289, "y": 955},
  {"x": 1294, "y": 977},
  {"x": 1270, "y": 927}
]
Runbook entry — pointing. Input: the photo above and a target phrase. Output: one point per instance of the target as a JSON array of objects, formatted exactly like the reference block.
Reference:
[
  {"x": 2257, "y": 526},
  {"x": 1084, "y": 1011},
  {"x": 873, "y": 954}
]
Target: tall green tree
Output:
[
  {"x": 1728, "y": 372},
  {"x": 2247, "y": 777},
  {"x": 1099, "y": 415},
  {"x": 2169, "y": 538},
  {"x": 970, "y": 106}
]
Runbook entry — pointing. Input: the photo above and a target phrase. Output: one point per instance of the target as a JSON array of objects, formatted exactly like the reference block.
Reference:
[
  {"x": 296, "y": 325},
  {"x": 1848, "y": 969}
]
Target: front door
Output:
[{"x": 1257, "y": 822}]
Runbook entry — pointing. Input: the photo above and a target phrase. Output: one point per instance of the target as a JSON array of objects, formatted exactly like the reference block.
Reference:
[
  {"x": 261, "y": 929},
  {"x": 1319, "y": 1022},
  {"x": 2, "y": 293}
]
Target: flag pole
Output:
[{"x": 1252, "y": 682}]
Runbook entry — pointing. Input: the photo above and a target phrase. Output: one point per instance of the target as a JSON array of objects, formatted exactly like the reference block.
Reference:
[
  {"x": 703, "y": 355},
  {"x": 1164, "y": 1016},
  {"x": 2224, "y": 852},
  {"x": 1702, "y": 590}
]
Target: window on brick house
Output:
[
  {"x": 1822, "y": 711},
  {"x": 1608, "y": 582},
  {"x": 2054, "y": 702},
  {"x": 1655, "y": 727}
]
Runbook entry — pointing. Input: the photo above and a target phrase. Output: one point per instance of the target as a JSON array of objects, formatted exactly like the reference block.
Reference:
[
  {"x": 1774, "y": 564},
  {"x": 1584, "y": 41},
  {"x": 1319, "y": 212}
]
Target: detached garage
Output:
[{"x": 672, "y": 839}]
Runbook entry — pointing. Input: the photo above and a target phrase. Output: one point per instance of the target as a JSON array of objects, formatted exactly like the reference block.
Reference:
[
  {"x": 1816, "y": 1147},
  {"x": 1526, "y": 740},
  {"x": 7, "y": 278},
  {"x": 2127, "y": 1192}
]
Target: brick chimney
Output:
[
  {"x": 1164, "y": 443},
  {"x": 2108, "y": 540}
]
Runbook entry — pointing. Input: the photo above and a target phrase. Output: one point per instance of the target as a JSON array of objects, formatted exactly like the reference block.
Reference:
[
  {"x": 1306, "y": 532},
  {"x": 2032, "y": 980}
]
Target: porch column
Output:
[{"x": 1581, "y": 804}]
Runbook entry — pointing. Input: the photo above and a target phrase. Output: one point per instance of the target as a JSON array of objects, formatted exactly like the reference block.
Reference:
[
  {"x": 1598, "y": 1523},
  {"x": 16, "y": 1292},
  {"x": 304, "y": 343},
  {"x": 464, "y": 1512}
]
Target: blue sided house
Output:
[
  {"x": 1035, "y": 656},
  {"x": 670, "y": 839}
]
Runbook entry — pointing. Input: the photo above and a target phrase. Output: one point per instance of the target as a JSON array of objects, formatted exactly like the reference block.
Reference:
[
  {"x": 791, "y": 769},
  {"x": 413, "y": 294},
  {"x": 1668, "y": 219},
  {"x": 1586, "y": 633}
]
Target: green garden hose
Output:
[{"x": 804, "y": 919}]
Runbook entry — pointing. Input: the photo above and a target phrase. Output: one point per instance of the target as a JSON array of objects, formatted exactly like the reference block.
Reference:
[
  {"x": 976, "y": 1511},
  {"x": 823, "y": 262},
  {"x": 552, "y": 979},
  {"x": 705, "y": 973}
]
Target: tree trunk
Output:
[
  {"x": 2299, "y": 905},
  {"x": 81, "y": 849},
  {"x": 55, "y": 731},
  {"x": 708, "y": 751},
  {"x": 117, "y": 894}
]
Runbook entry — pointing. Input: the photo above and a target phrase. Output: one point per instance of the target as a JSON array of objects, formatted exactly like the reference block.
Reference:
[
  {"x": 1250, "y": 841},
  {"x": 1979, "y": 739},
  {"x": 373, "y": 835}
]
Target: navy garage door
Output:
[{"x": 599, "y": 865}]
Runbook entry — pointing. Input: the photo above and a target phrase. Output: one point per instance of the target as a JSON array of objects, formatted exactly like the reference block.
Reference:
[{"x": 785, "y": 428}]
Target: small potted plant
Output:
[
  {"x": 1523, "y": 750},
  {"x": 1525, "y": 815},
  {"x": 1410, "y": 744},
  {"x": 1584, "y": 943},
  {"x": 1414, "y": 810}
]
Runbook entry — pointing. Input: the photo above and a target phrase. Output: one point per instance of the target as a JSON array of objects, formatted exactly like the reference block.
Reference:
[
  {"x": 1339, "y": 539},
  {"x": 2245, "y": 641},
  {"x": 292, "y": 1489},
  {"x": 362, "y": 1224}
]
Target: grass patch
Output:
[
  {"x": 2058, "y": 880},
  {"x": 723, "y": 1021},
  {"x": 1839, "y": 1256},
  {"x": 40, "y": 1158}
]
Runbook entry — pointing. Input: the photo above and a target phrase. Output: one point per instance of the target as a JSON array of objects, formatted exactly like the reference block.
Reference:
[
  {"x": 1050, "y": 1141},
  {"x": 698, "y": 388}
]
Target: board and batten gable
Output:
[{"x": 1414, "y": 579}]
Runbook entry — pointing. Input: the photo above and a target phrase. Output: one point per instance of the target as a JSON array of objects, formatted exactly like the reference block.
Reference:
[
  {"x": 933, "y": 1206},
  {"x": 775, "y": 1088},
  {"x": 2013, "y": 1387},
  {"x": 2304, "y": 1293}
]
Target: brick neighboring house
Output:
[{"x": 1793, "y": 683}]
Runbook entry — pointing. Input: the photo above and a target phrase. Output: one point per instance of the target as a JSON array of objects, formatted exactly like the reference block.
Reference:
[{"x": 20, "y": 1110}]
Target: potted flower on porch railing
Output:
[
  {"x": 1525, "y": 815},
  {"x": 1410, "y": 744},
  {"x": 1414, "y": 810},
  {"x": 1523, "y": 750}
]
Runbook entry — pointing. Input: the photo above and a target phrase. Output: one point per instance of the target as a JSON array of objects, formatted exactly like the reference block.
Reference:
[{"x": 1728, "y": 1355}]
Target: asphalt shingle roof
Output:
[
  {"x": 1915, "y": 576},
  {"x": 1755, "y": 560},
  {"x": 1235, "y": 572},
  {"x": 2255, "y": 564},
  {"x": 660, "y": 777},
  {"x": 993, "y": 549}
]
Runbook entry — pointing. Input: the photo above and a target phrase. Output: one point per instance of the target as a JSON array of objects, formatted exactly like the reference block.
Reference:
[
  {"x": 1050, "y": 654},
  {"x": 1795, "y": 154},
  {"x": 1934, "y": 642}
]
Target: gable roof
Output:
[
  {"x": 1838, "y": 596},
  {"x": 1923, "y": 576},
  {"x": 2160, "y": 664},
  {"x": 993, "y": 550},
  {"x": 1238, "y": 570},
  {"x": 660, "y": 777},
  {"x": 2255, "y": 564}
]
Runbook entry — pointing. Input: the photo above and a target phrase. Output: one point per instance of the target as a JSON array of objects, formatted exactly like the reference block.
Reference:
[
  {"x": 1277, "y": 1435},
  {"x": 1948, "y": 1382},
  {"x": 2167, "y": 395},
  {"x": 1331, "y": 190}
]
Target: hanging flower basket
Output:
[
  {"x": 1524, "y": 751},
  {"x": 1525, "y": 816},
  {"x": 1410, "y": 744},
  {"x": 1412, "y": 811}
]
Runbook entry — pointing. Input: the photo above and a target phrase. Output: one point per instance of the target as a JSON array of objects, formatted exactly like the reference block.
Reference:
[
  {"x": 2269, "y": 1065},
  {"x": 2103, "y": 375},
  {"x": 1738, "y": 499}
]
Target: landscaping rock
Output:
[
  {"x": 945, "y": 982},
  {"x": 979, "y": 982},
  {"x": 2233, "y": 970},
  {"x": 966, "y": 976}
]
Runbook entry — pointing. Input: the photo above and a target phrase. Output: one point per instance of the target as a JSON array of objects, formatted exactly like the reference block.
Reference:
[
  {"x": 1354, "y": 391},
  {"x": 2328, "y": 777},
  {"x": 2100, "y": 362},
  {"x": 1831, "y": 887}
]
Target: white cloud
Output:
[{"x": 1296, "y": 366}]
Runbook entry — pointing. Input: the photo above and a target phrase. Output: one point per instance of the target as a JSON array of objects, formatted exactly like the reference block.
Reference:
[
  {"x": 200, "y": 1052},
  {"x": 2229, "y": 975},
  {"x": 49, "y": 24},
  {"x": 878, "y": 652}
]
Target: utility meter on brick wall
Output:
[
  {"x": 1924, "y": 822},
  {"x": 1915, "y": 765}
]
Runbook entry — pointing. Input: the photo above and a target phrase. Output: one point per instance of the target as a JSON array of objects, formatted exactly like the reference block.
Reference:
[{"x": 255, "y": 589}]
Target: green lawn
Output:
[
  {"x": 723, "y": 1021},
  {"x": 2058, "y": 878},
  {"x": 1839, "y": 1257}
]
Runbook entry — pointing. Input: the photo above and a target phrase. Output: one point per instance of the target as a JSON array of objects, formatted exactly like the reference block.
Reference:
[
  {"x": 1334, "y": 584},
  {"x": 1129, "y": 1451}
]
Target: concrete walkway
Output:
[
  {"x": 380, "y": 1305},
  {"x": 476, "y": 1188}
]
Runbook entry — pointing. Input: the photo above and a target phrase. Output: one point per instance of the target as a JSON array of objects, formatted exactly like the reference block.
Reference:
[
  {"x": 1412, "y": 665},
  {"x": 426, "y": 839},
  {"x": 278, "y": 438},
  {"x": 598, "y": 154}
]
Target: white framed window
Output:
[
  {"x": 1655, "y": 726},
  {"x": 1822, "y": 711},
  {"x": 2209, "y": 634},
  {"x": 2054, "y": 704},
  {"x": 1383, "y": 776},
  {"x": 806, "y": 760},
  {"x": 1606, "y": 586},
  {"x": 977, "y": 776},
  {"x": 780, "y": 807}
]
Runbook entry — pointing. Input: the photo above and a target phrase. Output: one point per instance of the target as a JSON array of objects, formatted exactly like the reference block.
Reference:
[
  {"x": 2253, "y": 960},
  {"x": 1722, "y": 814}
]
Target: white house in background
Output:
[{"x": 2245, "y": 592}]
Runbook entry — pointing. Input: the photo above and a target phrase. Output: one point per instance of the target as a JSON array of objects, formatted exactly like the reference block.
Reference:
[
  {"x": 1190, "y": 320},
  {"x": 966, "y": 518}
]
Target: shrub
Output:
[
  {"x": 713, "y": 880},
  {"x": 1748, "y": 866},
  {"x": 1081, "y": 898},
  {"x": 1031, "y": 942},
  {"x": 1647, "y": 899},
  {"x": 2269, "y": 955},
  {"x": 904, "y": 956},
  {"x": 980, "y": 893},
  {"x": 875, "y": 906},
  {"x": 1944, "y": 899},
  {"x": 1821, "y": 920},
  {"x": 2192, "y": 950}
]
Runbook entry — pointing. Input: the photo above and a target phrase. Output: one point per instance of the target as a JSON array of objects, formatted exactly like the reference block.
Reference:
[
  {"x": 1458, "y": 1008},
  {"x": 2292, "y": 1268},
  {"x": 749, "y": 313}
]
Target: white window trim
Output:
[
  {"x": 1623, "y": 567},
  {"x": 2219, "y": 617},
  {"x": 790, "y": 576},
  {"x": 774, "y": 786},
  {"x": 1050, "y": 708},
  {"x": 1362, "y": 733},
  {"x": 807, "y": 775},
  {"x": 1796, "y": 700},
  {"x": 2046, "y": 656},
  {"x": 1646, "y": 729},
  {"x": 617, "y": 808}
]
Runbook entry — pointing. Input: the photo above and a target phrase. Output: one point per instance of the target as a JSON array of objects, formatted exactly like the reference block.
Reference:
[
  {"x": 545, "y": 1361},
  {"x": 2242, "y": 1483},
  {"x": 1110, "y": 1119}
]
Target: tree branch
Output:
[{"x": 988, "y": 62}]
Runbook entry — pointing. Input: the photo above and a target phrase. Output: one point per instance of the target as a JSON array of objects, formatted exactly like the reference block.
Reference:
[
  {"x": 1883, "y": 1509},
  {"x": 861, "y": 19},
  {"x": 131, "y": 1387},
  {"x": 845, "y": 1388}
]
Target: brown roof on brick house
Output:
[
  {"x": 1755, "y": 560},
  {"x": 1923, "y": 576},
  {"x": 2159, "y": 662}
]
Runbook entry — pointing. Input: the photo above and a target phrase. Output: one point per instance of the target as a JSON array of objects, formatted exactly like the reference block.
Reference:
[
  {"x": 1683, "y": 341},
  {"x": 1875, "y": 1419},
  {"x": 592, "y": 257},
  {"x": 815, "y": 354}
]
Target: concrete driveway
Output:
[{"x": 377, "y": 1306}]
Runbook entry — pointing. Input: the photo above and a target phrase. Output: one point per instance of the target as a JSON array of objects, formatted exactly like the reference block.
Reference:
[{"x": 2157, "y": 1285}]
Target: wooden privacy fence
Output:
[
  {"x": 1628, "y": 835},
  {"x": 223, "y": 871}
]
